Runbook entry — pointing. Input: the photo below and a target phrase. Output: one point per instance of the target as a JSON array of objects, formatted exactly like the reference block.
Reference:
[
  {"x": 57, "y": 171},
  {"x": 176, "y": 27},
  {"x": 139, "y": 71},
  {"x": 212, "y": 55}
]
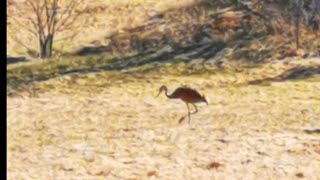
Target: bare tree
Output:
[
  {"x": 303, "y": 14},
  {"x": 288, "y": 17},
  {"x": 48, "y": 18},
  {"x": 297, "y": 9}
]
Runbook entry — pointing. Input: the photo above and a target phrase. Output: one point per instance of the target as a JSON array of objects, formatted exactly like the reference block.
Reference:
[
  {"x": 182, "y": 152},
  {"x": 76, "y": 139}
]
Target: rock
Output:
[
  {"x": 220, "y": 57},
  {"x": 88, "y": 156},
  {"x": 223, "y": 53},
  {"x": 196, "y": 62},
  {"x": 166, "y": 48}
]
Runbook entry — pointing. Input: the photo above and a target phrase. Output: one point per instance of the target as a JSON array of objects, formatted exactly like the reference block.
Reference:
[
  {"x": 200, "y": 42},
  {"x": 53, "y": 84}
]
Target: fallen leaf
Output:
[
  {"x": 66, "y": 168},
  {"x": 152, "y": 173},
  {"x": 312, "y": 131},
  {"x": 215, "y": 165},
  {"x": 99, "y": 172},
  {"x": 128, "y": 129},
  {"x": 246, "y": 162},
  {"x": 317, "y": 150},
  {"x": 181, "y": 119},
  {"x": 129, "y": 162},
  {"x": 300, "y": 175},
  {"x": 262, "y": 153},
  {"x": 223, "y": 140}
]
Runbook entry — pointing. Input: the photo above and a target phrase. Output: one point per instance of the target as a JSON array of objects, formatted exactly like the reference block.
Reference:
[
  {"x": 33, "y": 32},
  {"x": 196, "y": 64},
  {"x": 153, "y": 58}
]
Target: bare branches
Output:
[
  {"x": 45, "y": 18},
  {"x": 250, "y": 10},
  {"x": 71, "y": 14}
]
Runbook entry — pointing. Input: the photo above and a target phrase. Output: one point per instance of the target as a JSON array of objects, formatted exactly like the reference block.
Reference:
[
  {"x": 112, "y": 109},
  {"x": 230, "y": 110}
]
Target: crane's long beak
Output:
[
  {"x": 206, "y": 101},
  {"x": 158, "y": 93}
]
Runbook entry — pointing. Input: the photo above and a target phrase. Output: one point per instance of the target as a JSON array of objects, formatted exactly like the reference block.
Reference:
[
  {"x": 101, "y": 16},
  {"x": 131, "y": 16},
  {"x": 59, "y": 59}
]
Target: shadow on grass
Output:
[
  {"x": 25, "y": 74},
  {"x": 168, "y": 54},
  {"x": 297, "y": 73}
]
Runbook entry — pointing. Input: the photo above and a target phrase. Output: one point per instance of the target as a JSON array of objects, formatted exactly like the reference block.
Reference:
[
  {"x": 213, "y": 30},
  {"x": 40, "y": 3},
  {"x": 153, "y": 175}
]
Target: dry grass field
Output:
[
  {"x": 96, "y": 115},
  {"x": 110, "y": 125},
  {"x": 104, "y": 18}
]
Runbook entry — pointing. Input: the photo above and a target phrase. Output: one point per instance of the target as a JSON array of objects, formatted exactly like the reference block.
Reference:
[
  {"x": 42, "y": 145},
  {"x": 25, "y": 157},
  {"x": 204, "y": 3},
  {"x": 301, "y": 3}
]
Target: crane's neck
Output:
[{"x": 166, "y": 93}]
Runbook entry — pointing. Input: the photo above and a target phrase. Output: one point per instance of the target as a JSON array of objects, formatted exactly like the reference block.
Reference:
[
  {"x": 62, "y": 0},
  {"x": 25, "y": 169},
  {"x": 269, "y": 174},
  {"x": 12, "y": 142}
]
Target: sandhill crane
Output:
[{"x": 187, "y": 95}]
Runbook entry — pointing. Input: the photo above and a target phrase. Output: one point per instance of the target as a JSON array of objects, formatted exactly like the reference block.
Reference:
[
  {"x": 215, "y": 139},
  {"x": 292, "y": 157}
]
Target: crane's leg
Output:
[
  {"x": 195, "y": 108},
  {"x": 188, "y": 113}
]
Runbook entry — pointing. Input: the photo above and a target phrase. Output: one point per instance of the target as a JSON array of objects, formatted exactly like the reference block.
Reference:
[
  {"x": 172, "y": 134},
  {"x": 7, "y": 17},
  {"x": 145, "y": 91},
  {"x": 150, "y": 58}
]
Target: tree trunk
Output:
[
  {"x": 297, "y": 33},
  {"x": 297, "y": 24},
  {"x": 46, "y": 47}
]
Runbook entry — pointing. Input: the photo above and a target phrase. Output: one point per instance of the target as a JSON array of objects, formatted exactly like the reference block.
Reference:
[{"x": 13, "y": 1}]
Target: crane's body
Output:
[{"x": 187, "y": 95}]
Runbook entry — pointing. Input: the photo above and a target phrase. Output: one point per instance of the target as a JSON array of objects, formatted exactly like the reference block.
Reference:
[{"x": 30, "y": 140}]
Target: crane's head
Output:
[{"x": 162, "y": 88}]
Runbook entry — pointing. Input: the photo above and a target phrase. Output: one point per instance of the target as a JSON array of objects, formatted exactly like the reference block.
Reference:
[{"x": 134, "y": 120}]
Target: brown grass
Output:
[
  {"x": 110, "y": 126},
  {"x": 103, "y": 19}
]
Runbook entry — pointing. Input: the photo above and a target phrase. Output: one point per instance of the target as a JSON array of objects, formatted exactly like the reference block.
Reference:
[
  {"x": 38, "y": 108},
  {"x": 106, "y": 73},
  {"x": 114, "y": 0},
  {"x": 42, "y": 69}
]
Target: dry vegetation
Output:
[
  {"x": 104, "y": 18},
  {"x": 96, "y": 116},
  {"x": 109, "y": 125}
]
